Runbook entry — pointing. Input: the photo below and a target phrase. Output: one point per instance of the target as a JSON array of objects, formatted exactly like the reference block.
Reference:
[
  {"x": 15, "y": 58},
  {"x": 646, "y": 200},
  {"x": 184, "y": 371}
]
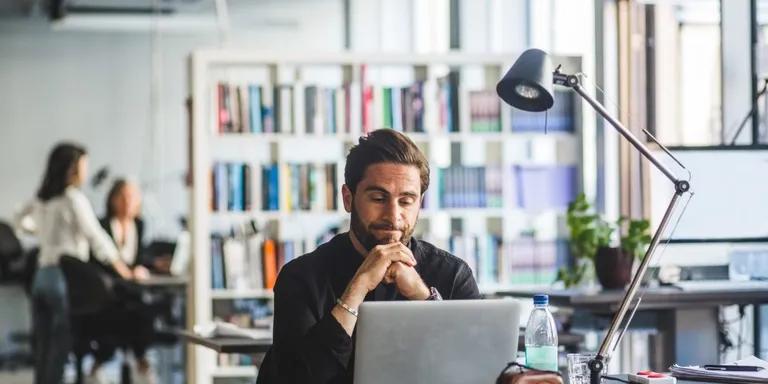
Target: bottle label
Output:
[{"x": 541, "y": 357}]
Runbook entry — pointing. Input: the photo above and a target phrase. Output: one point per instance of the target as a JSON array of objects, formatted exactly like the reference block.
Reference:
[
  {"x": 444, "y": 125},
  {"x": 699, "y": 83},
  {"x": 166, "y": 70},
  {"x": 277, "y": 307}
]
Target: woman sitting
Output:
[{"x": 132, "y": 318}]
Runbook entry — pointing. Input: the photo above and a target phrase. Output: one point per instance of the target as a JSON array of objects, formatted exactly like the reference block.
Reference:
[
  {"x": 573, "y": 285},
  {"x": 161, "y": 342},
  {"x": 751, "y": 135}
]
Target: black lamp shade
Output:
[{"x": 528, "y": 84}]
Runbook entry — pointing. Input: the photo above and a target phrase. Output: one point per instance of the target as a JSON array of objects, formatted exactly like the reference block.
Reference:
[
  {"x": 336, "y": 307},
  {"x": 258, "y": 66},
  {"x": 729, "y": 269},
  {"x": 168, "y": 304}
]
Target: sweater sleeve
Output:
[
  {"x": 103, "y": 247},
  {"x": 464, "y": 285},
  {"x": 305, "y": 348}
]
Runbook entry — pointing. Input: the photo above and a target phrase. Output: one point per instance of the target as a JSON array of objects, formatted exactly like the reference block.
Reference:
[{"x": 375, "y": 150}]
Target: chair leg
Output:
[
  {"x": 78, "y": 368},
  {"x": 125, "y": 370}
]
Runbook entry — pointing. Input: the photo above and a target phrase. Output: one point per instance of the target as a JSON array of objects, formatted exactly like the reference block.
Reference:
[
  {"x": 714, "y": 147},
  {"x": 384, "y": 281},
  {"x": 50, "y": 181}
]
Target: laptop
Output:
[{"x": 458, "y": 341}]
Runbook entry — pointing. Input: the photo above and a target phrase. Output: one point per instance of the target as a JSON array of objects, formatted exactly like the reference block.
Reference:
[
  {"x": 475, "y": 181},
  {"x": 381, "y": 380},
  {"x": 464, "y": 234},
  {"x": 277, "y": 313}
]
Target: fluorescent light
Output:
[{"x": 135, "y": 23}]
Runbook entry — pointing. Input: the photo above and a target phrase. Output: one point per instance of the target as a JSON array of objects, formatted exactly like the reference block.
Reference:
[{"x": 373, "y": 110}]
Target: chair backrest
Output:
[
  {"x": 10, "y": 249},
  {"x": 90, "y": 289},
  {"x": 10, "y": 246}
]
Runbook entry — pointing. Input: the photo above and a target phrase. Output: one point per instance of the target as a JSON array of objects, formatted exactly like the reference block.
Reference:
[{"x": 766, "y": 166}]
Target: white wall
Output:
[{"x": 95, "y": 88}]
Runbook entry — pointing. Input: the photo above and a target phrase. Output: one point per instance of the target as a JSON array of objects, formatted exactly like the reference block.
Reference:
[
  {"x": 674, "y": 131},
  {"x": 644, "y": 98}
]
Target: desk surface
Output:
[
  {"x": 679, "y": 381},
  {"x": 227, "y": 344},
  {"x": 696, "y": 295},
  {"x": 246, "y": 345},
  {"x": 163, "y": 281}
]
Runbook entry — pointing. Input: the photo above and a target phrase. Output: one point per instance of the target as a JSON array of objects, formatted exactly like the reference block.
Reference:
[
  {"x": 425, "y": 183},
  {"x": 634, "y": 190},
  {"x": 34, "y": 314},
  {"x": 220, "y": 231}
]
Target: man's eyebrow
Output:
[{"x": 373, "y": 188}]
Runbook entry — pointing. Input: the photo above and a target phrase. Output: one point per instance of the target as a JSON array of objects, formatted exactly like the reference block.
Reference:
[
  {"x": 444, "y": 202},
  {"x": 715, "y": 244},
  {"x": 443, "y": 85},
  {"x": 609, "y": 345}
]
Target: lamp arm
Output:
[
  {"x": 597, "y": 365},
  {"x": 572, "y": 81}
]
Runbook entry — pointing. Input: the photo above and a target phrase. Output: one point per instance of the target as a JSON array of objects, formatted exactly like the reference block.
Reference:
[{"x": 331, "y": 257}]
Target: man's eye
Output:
[{"x": 406, "y": 202}]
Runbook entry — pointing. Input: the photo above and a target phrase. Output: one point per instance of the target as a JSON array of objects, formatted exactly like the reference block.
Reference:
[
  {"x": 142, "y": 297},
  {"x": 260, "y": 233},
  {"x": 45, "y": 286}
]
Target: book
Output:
[
  {"x": 270, "y": 263},
  {"x": 255, "y": 109},
  {"x": 235, "y": 271},
  {"x": 253, "y": 246}
]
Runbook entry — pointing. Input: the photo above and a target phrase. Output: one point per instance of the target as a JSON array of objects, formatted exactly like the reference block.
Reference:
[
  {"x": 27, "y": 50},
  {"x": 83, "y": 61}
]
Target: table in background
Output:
[
  {"x": 172, "y": 288},
  {"x": 688, "y": 312}
]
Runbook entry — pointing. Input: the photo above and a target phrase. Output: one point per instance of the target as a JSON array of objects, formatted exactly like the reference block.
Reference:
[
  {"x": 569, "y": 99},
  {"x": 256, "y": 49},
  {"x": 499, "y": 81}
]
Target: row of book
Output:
[
  {"x": 251, "y": 314},
  {"x": 287, "y": 187},
  {"x": 353, "y": 109},
  {"x": 262, "y": 108},
  {"x": 231, "y": 187},
  {"x": 252, "y": 262},
  {"x": 470, "y": 187},
  {"x": 306, "y": 187},
  {"x": 247, "y": 313},
  {"x": 531, "y": 187},
  {"x": 523, "y": 261},
  {"x": 314, "y": 187}
]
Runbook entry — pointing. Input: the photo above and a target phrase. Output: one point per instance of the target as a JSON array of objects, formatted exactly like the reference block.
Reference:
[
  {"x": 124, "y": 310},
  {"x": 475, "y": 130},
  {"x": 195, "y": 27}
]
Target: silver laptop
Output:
[{"x": 460, "y": 341}]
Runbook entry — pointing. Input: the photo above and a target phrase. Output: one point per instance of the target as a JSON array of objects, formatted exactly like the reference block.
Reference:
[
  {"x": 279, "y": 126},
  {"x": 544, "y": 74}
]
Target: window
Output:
[{"x": 684, "y": 67}]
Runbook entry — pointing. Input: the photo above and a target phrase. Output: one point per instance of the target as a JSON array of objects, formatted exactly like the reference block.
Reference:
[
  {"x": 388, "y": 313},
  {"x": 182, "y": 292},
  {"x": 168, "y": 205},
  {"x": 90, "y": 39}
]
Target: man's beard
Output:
[{"x": 365, "y": 234}]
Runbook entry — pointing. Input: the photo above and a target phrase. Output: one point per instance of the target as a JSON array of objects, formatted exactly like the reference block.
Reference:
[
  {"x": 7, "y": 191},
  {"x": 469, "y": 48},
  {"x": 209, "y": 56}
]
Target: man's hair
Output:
[{"x": 384, "y": 146}]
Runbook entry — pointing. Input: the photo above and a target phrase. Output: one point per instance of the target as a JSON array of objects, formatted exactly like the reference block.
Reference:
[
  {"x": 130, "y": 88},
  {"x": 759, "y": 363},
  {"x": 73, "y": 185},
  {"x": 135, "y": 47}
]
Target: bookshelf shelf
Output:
[
  {"x": 235, "y": 371},
  {"x": 236, "y": 138},
  {"x": 269, "y": 133},
  {"x": 229, "y": 216},
  {"x": 226, "y": 294}
]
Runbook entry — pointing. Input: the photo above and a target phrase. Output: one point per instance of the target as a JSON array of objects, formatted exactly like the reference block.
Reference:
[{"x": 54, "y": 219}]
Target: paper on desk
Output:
[
  {"x": 223, "y": 329},
  {"x": 697, "y": 372}
]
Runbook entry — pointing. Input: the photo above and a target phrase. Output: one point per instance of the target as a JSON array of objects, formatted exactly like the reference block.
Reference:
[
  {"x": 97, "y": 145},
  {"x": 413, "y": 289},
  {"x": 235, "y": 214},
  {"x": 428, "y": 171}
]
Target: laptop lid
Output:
[{"x": 457, "y": 341}]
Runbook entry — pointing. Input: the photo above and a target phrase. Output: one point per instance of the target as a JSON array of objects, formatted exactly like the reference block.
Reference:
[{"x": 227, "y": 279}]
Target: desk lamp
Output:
[{"x": 528, "y": 86}]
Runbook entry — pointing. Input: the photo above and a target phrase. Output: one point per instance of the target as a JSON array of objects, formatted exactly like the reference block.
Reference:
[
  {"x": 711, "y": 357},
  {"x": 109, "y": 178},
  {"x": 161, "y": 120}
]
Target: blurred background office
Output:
[{"x": 117, "y": 76}]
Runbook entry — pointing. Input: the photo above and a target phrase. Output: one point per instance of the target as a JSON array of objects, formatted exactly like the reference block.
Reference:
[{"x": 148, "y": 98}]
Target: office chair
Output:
[
  {"x": 10, "y": 252},
  {"x": 16, "y": 268},
  {"x": 90, "y": 292}
]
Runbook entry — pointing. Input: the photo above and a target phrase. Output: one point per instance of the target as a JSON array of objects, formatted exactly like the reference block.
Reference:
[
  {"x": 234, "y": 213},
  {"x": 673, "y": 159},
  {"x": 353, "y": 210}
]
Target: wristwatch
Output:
[{"x": 434, "y": 295}]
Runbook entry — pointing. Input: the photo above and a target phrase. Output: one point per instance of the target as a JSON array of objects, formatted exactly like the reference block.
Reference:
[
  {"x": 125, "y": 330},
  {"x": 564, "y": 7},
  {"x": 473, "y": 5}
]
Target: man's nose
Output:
[{"x": 392, "y": 213}]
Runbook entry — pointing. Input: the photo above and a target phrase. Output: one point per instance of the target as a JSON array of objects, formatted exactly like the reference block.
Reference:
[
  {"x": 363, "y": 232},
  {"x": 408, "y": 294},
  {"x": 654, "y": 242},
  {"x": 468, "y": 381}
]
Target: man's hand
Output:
[
  {"x": 407, "y": 280},
  {"x": 367, "y": 277},
  {"x": 376, "y": 265},
  {"x": 535, "y": 378}
]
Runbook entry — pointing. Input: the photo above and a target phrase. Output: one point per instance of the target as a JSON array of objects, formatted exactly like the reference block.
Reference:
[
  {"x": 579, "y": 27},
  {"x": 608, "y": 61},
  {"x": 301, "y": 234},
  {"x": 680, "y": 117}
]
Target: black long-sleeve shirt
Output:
[{"x": 309, "y": 345}]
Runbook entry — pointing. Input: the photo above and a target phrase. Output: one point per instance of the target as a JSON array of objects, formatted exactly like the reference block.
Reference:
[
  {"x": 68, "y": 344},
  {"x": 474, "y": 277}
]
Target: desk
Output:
[
  {"x": 163, "y": 281},
  {"x": 689, "y": 314},
  {"x": 167, "y": 293},
  {"x": 246, "y": 345},
  {"x": 679, "y": 381},
  {"x": 227, "y": 344}
]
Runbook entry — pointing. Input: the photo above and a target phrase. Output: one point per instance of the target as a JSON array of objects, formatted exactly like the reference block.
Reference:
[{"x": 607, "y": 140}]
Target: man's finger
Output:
[
  {"x": 534, "y": 378},
  {"x": 402, "y": 248},
  {"x": 405, "y": 258}
]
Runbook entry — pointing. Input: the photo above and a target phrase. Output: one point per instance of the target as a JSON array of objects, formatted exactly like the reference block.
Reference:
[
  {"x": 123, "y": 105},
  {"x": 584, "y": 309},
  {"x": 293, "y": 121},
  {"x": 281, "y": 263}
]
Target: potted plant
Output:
[{"x": 590, "y": 242}]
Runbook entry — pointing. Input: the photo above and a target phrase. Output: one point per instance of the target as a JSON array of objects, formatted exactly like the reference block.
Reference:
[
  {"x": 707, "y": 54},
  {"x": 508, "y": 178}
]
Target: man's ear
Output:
[{"x": 346, "y": 195}]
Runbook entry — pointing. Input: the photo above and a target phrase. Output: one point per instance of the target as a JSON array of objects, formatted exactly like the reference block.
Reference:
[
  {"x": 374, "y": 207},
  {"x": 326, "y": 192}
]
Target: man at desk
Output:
[{"x": 317, "y": 295}]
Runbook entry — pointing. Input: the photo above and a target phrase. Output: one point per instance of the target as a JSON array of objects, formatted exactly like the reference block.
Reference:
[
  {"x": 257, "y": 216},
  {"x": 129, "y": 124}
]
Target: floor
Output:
[
  {"x": 23, "y": 376},
  {"x": 164, "y": 361}
]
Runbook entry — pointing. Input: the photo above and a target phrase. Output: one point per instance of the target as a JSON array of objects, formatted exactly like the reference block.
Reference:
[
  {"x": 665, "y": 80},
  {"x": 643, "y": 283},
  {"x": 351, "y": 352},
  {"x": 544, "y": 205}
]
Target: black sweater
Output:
[{"x": 310, "y": 346}]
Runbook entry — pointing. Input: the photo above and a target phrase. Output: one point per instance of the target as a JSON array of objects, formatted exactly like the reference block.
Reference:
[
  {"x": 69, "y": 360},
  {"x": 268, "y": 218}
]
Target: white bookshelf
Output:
[
  {"x": 208, "y": 67},
  {"x": 230, "y": 294},
  {"x": 235, "y": 372}
]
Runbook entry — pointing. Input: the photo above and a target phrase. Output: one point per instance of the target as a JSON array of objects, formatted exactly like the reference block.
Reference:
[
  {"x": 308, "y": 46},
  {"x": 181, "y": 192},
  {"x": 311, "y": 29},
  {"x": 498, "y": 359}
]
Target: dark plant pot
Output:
[{"x": 613, "y": 267}]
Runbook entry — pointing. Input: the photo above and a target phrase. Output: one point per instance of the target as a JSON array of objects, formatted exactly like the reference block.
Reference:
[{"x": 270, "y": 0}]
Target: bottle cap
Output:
[{"x": 540, "y": 299}]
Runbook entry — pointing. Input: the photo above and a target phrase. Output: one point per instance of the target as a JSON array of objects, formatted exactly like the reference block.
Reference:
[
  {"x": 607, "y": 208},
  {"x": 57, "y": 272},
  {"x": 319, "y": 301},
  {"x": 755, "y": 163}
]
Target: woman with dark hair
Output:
[{"x": 64, "y": 222}]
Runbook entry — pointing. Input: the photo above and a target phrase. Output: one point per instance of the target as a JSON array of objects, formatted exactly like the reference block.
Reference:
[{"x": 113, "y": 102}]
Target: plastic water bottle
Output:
[{"x": 541, "y": 336}]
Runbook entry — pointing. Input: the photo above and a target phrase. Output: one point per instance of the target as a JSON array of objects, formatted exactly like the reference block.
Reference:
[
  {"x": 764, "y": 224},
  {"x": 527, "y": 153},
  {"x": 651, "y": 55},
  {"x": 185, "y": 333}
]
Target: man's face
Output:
[{"x": 386, "y": 204}]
